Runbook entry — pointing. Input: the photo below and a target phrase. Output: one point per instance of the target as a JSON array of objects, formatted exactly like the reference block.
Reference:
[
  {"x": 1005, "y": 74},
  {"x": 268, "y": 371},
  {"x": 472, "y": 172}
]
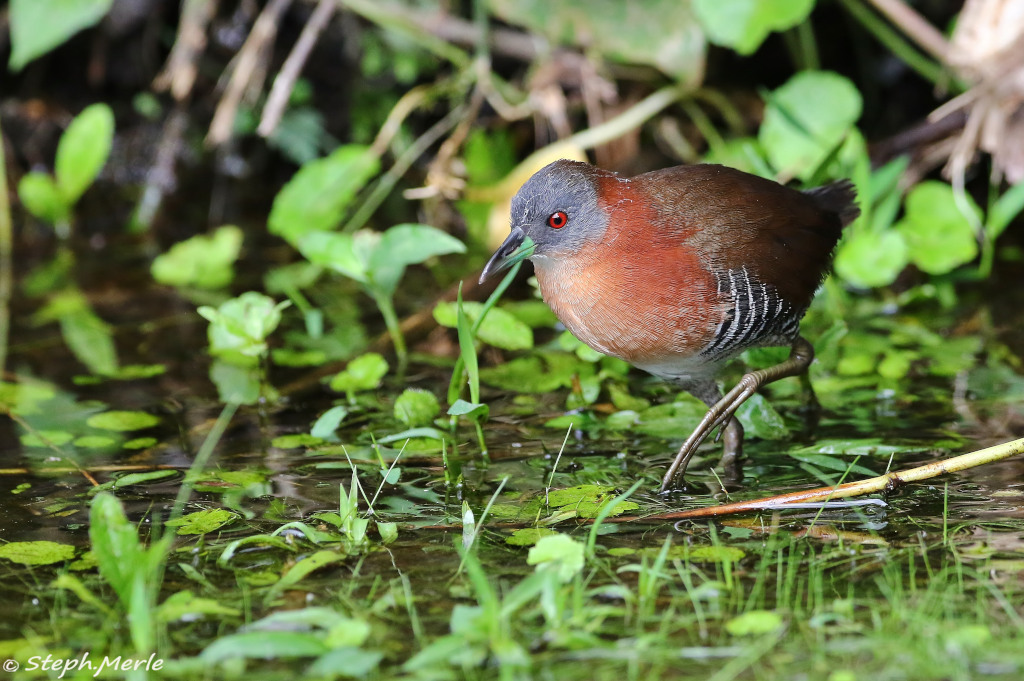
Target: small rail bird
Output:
[{"x": 676, "y": 271}]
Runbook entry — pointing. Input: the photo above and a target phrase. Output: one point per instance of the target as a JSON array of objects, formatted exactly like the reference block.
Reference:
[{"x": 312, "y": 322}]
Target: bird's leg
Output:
[{"x": 800, "y": 357}]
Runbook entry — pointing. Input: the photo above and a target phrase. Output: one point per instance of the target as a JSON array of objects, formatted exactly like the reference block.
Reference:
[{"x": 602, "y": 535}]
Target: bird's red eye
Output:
[{"x": 557, "y": 220}]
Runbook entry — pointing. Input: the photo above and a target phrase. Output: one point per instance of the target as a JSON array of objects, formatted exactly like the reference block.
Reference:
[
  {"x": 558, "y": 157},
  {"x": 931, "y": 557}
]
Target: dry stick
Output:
[
  {"x": 289, "y": 73},
  {"x": 179, "y": 73},
  {"x": 246, "y": 63},
  {"x": 889, "y": 481},
  {"x": 915, "y": 26}
]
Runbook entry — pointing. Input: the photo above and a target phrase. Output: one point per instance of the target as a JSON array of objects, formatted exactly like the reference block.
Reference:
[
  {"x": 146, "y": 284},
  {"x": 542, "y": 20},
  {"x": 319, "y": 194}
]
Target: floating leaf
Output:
[
  {"x": 122, "y": 421},
  {"x": 296, "y": 440},
  {"x": 142, "y": 478},
  {"x": 754, "y": 623},
  {"x": 715, "y": 554},
  {"x": 528, "y": 536},
  {"x": 36, "y": 552},
  {"x": 203, "y": 522}
]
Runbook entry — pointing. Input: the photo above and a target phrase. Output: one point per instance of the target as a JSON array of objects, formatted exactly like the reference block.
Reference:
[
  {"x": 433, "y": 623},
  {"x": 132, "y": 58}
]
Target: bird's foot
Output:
[{"x": 718, "y": 416}]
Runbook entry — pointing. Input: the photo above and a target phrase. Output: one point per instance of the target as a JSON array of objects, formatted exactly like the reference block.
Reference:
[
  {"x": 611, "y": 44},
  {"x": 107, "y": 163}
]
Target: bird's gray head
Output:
[{"x": 553, "y": 215}]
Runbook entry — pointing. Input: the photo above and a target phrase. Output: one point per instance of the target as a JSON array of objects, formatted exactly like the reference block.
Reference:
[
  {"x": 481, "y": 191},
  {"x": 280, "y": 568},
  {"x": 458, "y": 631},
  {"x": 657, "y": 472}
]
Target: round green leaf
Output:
[
  {"x": 754, "y": 623},
  {"x": 806, "y": 119},
  {"x": 744, "y": 24},
  {"x": 416, "y": 407},
  {"x": 41, "y": 197},
  {"x": 362, "y": 373},
  {"x": 938, "y": 234},
  {"x": 122, "y": 421},
  {"x": 871, "y": 259}
]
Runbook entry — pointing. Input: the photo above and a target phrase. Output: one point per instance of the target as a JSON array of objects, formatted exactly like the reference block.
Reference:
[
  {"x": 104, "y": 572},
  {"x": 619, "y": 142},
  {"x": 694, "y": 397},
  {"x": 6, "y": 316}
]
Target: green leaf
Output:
[
  {"x": 236, "y": 384},
  {"x": 870, "y": 258},
  {"x": 939, "y": 237},
  {"x": 239, "y": 328},
  {"x": 41, "y": 197},
  {"x": 558, "y": 552},
  {"x": 754, "y": 623},
  {"x": 416, "y": 407},
  {"x": 403, "y": 245},
  {"x": 540, "y": 373},
  {"x": 38, "y": 26},
  {"x": 25, "y": 398},
  {"x": 346, "y": 662},
  {"x": 744, "y": 24},
  {"x": 88, "y": 337},
  {"x": 115, "y": 543},
  {"x": 328, "y": 423},
  {"x": 316, "y": 198},
  {"x": 83, "y": 150},
  {"x": 263, "y": 645},
  {"x": 830, "y": 463},
  {"x": 806, "y": 119},
  {"x": 130, "y": 479},
  {"x": 660, "y": 33},
  {"x": 36, "y": 552},
  {"x": 303, "y": 568},
  {"x": 362, "y": 373},
  {"x": 184, "y": 606},
  {"x": 499, "y": 328},
  {"x": 122, "y": 421},
  {"x": 348, "y": 254},
  {"x": 761, "y": 420},
  {"x": 528, "y": 536},
  {"x": 203, "y": 522},
  {"x": 715, "y": 554},
  {"x": 475, "y": 412},
  {"x": 203, "y": 261}
]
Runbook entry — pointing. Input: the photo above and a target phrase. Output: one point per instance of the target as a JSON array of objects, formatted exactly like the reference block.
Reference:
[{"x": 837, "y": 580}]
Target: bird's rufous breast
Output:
[{"x": 638, "y": 293}]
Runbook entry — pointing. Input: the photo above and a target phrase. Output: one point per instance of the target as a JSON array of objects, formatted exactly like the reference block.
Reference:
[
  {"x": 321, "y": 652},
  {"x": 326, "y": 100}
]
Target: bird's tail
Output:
[{"x": 839, "y": 198}]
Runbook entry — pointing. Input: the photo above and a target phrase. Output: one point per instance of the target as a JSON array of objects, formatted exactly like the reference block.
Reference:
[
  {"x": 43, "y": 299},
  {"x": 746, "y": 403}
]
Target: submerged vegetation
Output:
[{"x": 260, "y": 419}]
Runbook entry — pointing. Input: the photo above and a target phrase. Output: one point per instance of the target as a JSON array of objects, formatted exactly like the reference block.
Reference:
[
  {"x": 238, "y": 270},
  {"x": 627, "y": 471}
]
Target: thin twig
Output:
[
  {"x": 246, "y": 64},
  {"x": 914, "y": 25},
  {"x": 886, "y": 482},
  {"x": 179, "y": 73},
  {"x": 292, "y": 67}
]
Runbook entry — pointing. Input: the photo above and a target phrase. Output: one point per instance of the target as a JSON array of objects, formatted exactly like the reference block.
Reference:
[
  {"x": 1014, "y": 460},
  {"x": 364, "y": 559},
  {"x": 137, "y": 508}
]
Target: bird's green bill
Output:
[{"x": 517, "y": 247}]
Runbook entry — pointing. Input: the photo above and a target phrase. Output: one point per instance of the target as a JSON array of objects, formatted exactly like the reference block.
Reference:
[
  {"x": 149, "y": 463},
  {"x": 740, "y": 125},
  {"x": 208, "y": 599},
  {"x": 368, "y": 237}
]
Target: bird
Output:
[{"x": 679, "y": 270}]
